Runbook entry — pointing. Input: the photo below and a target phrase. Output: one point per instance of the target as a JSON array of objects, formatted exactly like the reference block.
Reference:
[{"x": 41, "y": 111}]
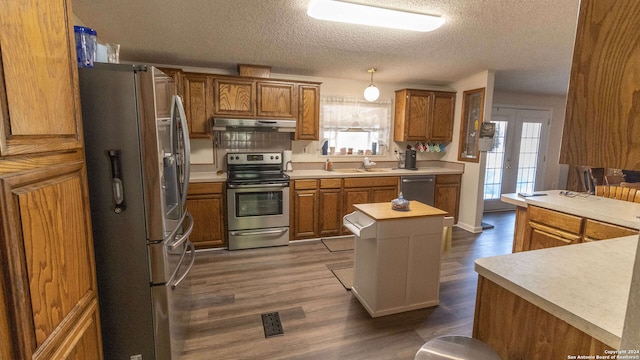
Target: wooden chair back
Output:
[
  {"x": 618, "y": 192},
  {"x": 633, "y": 185}
]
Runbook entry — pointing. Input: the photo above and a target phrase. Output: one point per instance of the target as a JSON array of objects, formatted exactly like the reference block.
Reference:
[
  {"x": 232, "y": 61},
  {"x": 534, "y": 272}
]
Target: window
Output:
[{"x": 355, "y": 126}]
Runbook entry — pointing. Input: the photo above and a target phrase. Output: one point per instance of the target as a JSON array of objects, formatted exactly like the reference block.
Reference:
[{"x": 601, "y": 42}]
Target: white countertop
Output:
[
  {"x": 319, "y": 174},
  {"x": 212, "y": 176},
  {"x": 586, "y": 285},
  {"x": 623, "y": 213}
]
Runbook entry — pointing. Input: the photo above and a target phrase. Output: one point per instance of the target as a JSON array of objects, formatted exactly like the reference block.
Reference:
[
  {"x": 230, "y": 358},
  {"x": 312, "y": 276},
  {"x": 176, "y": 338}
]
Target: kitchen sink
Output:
[{"x": 355, "y": 171}]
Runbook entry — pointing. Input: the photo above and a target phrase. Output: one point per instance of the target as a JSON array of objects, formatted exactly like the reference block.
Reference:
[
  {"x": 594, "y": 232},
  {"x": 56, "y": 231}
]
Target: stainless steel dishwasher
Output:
[{"x": 419, "y": 187}]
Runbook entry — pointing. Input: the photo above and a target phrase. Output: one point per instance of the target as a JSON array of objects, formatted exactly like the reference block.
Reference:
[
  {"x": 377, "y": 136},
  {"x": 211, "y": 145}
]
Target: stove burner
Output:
[{"x": 255, "y": 168}]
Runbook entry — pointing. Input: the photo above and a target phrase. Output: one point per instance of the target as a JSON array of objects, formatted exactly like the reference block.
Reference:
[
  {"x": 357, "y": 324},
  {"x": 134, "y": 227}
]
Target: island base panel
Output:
[{"x": 517, "y": 329}]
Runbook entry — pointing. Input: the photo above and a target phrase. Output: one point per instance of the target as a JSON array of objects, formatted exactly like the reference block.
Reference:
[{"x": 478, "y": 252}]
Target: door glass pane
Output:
[
  {"x": 259, "y": 203},
  {"x": 528, "y": 158},
  {"x": 495, "y": 163}
]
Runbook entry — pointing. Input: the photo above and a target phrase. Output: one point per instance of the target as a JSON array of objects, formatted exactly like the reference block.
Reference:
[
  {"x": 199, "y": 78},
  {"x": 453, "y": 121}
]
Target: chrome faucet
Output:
[{"x": 367, "y": 164}]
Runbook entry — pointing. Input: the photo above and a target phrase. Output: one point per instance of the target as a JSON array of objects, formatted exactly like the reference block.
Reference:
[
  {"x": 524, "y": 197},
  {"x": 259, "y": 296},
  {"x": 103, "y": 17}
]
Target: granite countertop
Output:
[
  {"x": 586, "y": 285},
  {"x": 212, "y": 176},
  {"x": 623, "y": 213},
  {"x": 383, "y": 211}
]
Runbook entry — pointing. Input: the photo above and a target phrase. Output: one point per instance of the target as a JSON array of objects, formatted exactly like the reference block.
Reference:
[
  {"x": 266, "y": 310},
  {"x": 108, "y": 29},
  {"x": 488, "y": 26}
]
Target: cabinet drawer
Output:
[
  {"x": 597, "y": 230},
  {"x": 205, "y": 188},
  {"x": 371, "y": 181},
  {"x": 449, "y": 179},
  {"x": 330, "y": 183},
  {"x": 306, "y": 184},
  {"x": 562, "y": 221}
]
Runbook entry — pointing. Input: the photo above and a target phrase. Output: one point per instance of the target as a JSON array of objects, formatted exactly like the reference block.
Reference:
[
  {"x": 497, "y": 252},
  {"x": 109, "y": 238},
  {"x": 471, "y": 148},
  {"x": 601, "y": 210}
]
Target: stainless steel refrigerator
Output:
[{"x": 137, "y": 151}]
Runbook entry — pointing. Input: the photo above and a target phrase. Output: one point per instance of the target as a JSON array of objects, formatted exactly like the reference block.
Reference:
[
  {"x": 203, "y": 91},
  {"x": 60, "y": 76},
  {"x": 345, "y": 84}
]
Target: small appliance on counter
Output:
[{"x": 410, "y": 160}]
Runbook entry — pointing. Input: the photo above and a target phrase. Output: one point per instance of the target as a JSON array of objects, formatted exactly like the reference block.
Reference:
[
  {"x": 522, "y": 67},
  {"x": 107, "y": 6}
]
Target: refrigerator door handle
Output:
[
  {"x": 192, "y": 249},
  {"x": 177, "y": 228},
  {"x": 116, "y": 181},
  {"x": 180, "y": 239},
  {"x": 187, "y": 147}
]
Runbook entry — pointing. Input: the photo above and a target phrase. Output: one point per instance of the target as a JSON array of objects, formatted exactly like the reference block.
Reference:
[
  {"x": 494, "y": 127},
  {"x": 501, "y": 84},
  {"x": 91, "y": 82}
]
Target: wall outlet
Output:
[{"x": 136, "y": 357}]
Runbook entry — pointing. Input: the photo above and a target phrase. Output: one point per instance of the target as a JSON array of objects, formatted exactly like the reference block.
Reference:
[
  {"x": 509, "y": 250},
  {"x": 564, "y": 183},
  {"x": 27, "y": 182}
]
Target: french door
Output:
[{"x": 516, "y": 164}]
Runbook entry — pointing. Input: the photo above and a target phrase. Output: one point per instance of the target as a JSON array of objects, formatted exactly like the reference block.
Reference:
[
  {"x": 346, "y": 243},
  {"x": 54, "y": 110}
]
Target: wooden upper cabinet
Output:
[
  {"x": 234, "y": 96},
  {"x": 423, "y": 115},
  {"x": 602, "y": 122},
  {"x": 441, "y": 126},
  {"x": 197, "y": 103},
  {"x": 166, "y": 86},
  {"x": 39, "y": 96},
  {"x": 276, "y": 99},
  {"x": 308, "y": 125}
]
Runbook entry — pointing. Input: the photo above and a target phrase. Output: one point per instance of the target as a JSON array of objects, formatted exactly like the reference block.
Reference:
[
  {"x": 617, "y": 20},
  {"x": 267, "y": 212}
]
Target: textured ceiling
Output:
[{"x": 529, "y": 43}]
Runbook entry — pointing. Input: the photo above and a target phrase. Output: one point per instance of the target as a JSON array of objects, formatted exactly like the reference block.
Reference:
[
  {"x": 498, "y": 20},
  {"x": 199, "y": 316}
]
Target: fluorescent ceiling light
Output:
[{"x": 341, "y": 11}]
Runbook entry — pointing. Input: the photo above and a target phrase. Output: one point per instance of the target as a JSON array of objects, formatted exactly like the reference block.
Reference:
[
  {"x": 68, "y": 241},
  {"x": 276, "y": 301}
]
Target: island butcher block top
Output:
[{"x": 383, "y": 211}]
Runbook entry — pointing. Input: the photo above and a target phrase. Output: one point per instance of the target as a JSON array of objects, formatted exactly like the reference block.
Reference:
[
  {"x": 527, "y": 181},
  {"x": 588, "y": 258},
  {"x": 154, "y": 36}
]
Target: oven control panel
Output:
[{"x": 254, "y": 158}]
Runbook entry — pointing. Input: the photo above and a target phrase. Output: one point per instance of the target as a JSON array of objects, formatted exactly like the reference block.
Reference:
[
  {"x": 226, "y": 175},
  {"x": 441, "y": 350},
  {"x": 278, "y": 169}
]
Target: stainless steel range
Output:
[{"x": 257, "y": 200}]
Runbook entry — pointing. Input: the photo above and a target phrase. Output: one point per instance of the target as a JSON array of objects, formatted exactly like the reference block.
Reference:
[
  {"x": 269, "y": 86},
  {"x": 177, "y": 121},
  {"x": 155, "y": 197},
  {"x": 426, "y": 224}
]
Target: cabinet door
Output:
[
  {"x": 597, "y": 230},
  {"x": 384, "y": 194},
  {"x": 330, "y": 212},
  {"x": 602, "y": 102},
  {"x": 208, "y": 228},
  {"x": 234, "y": 97},
  {"x": 308, "y": 125},
  {"x": 354, "y": 196},
  {"x": 205, "y": 201},
  {"x": 542, "y": 240},
  {"x": 47, "y": 254},
  {"x": 447, "y": 194},
  {"x": 165, "y": 88},
  {"x": 197, "y": 104},
  {"x": 305, "y": 219},
  {"x": 276, "y": 99},
  {"x": 418, "y": 112},
  {"x": 441, "y": 122},
  {"x": 39, "y": 97}
]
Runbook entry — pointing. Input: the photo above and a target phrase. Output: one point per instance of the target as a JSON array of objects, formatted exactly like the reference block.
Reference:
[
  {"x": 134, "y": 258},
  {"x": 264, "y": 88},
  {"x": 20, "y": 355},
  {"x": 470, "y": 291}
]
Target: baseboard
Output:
[{"x": 469, "y": 228}]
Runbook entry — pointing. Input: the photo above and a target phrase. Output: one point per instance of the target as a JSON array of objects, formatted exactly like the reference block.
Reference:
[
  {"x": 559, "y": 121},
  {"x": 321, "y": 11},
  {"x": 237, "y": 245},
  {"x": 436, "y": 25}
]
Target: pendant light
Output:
[{"x": 371, "y": 93}]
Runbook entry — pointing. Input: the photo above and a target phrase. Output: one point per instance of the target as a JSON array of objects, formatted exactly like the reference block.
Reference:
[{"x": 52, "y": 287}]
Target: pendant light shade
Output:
[{"x": 371, "y": 93}]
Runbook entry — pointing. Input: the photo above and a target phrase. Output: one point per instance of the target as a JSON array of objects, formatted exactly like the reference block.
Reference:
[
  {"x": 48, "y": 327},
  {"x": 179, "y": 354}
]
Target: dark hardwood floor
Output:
[{"x": 322, "y": 320}]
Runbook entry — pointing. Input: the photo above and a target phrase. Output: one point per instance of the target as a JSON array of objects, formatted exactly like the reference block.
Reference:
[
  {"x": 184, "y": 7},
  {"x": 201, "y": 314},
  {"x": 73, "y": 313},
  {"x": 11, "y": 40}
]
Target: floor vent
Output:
[{"x": 272, "y": 325}]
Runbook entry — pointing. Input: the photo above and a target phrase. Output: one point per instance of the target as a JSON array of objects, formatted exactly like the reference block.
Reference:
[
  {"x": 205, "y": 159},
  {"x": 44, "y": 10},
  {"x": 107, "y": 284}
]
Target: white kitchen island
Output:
[{"x": 397, "y": 256}]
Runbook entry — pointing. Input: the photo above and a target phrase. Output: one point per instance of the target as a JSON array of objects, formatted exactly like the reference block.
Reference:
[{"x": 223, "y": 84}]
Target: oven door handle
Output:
[
  {"x": 259, "y": 232},
  {"x": 232, "y": 186}
]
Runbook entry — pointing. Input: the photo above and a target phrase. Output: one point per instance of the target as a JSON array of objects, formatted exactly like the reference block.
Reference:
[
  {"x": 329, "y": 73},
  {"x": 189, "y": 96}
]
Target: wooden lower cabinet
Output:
[
  {"x": 447, "y": 194},
  {"x": 305, "y": 209},
  {"x": 319, "y": 205},
  {"x": 50, "y": 301},
  {"x": 330, "y": 207},
  {"x": 540, "y": 228},
  {"x": 518, "y": 329},
  {"x": 598, "y": 230},
  {"x": 205, "y": 201},
  {"x": 549, "y": 228}
]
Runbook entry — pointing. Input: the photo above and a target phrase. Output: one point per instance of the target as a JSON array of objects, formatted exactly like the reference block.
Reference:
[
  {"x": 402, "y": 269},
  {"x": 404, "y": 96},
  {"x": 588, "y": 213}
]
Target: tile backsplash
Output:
[{"x": 230, "y": 141}]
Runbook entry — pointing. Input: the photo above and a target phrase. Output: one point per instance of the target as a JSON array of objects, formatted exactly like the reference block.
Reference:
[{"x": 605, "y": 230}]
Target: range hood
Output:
[{"x": 279, "y": 125}]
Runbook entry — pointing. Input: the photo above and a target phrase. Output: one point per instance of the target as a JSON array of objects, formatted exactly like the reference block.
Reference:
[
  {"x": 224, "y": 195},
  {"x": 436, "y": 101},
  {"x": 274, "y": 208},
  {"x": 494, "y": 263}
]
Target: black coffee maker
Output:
[{"x": 410, "y": 160}]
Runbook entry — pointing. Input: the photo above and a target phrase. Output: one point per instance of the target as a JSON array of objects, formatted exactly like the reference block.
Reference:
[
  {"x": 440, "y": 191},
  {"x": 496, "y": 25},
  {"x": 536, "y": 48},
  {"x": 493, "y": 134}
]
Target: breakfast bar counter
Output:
[
  {"x": 562, "y": 301},
  {"x": 397, "y": 256}
]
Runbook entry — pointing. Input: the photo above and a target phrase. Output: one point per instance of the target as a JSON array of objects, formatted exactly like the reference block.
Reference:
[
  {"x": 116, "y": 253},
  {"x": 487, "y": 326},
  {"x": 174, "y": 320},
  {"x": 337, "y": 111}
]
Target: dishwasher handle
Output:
[{"x": 415, "y": 180}]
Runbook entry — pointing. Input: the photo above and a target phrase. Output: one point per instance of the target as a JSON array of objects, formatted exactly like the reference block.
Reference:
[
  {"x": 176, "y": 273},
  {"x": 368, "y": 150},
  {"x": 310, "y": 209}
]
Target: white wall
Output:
[
  {"x": 555, "y": 176},
  {"x": 471, "y": 192}
]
